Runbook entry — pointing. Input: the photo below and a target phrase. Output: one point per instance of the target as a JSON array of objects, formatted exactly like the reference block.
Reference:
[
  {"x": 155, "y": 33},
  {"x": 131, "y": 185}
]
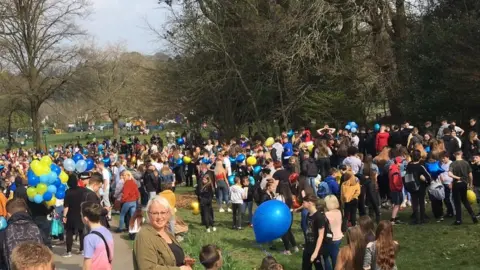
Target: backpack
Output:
[
  {"x": 323, "y": 190},
  {"x": 437, "y": 190},
  {"x": 395, "y": 178},
  {"x": 17, "y": 233},
  {"x": 410, "y": 183}
]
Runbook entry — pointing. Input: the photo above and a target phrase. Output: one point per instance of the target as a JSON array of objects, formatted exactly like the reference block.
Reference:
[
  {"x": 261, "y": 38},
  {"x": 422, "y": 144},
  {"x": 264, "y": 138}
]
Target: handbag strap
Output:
[{"x": 106, "y": 245}]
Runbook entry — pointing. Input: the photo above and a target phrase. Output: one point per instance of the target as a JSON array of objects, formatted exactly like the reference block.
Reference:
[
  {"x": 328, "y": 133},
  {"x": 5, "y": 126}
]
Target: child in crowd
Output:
[
  {"x": 349, "y": 195},
  {"x": 136, "y": 222},
  {"x": 98, "y": 244},
  {"x": 205, "y": 193},
  {"x": 381, "y": 253},
  {"x": 32, "y": 256},
  {"x": 314, "y": 234},
  {"x": 211, "y": 257},
  {"x": 237, "y": 196},
  {"x": 248, "y": 200},
  {"x": 351, "y": 255},
  {"x": 368, "y": 228}
]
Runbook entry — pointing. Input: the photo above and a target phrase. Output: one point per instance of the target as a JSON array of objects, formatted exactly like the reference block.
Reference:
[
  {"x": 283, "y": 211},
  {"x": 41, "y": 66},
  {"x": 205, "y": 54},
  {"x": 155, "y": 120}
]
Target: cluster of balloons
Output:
[
  {"x": 46, "y": 182},
  {"x": 271, "y": 220},
  {"x": 352, "y": 126},
  {"x": 195, "y": 208},
  {"x": 79, "y": 164}
]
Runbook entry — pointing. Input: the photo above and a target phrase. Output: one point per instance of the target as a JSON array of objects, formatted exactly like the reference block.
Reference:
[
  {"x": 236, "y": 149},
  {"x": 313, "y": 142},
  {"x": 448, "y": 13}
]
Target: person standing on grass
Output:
[
  {"x": 205, "y": 192},
  {"x": 130, "y": 198},
  {"x": 98, "y": 243},
  {"x": 248, "y": 201},
  {"x": 72, "y": 217},
  {"x": 380, "y": 254},
  {"x": 237, "y": 194},
  {"x": 351, "y": 256},
  {"x": 461, "y": 172},
  {"x": 334, "y": 216},
  {"x": 447, "y": 181},
  {"x": 314, "y": 234},
  {"x": 396, "y": 188},
  {"x": 422, "y": 179},
  {"x": 476, "y": 175},
  {"x": 349, "y": 195}
]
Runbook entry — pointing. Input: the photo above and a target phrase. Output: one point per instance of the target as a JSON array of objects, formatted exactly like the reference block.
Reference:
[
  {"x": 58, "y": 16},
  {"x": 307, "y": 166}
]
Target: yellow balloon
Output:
[
  {"x": 35, "y": 165},
  {"x": 52, "y": 202},
  {"x": 310, "y": 148},
  {"x": 63, "y": 177},
  {"x": 43, "y": 169},
  {"x": 269, "y": 142},
  {"x": 41, "y": 188},
  {"x": 187, "y": 160},
  {"x": 251, "y": 161},
  {"x": 31, "y": 192},
  {"x": 196, "y": 211},
  {"x": 195, "y": 206},
  {"x": 471, "y": 197},
  {"x": 46, "y": 160}
]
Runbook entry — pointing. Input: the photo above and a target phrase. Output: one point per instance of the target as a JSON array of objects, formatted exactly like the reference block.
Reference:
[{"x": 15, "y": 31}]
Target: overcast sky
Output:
[{"x": 124, "y": 20}]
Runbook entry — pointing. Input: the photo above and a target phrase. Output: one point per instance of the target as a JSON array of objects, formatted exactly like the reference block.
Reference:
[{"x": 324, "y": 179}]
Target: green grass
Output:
[{"x": 430, "y": 246}]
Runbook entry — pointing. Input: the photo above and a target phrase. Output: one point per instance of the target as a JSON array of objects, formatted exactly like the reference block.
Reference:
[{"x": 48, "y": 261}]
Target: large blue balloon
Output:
[
  {"x": 231, "y": 179},
  {"x": 77, "y": 157},
  {"x": 3, "y": 223},
  {"x": 60, "y": 194},
  {"x": 257, "y": 170},
  {"x": 100, "y": 147},
  {"x": 434, "y": 169},
  {"x": 271, "y": 221},
  {"x": 33, "y": 180},
  {"x": 47, "y": 196},
  {"x": 240, "y": 158},
  {"x": 38, "y": 198},
  {"x": 90, "y": 164},
  {"x": 55, "y": 168}
]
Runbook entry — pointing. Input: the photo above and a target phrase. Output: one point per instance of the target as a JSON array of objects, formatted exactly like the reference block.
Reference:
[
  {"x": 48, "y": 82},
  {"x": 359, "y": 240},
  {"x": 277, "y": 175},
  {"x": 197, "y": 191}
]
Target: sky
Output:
[{"x": 125, "y": 21}]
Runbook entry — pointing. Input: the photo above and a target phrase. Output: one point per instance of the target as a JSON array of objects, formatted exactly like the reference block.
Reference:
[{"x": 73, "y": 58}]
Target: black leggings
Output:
[
  {"x": 206, "y": 210},
  {"x": 288, "y": 239},
  {"x": 69, "y": 239},
  {"x": 350, "y": 212},
  {"x": 237, "y": 215},
  {"x": 369, "y": 196},
  {"x": 323, "y": 165},
  {"x": 418, "y": 204},
  {"x": 459, "y": 194},
  {"x": 307, "y": 264}
]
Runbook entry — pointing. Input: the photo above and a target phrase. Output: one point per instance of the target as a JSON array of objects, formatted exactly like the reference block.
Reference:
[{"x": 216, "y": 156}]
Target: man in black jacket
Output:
[
  {"x": 451, "y": 144},
  {"x": 92, "y": 195}
]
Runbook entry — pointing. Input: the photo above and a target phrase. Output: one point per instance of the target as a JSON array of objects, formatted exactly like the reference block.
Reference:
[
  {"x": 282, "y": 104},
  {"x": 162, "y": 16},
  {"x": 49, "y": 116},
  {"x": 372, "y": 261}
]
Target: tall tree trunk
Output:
[
  {"x": 37, "y": 131},
  {"x": 116, "y": 133},
  {"x": 9, "y": 128}
]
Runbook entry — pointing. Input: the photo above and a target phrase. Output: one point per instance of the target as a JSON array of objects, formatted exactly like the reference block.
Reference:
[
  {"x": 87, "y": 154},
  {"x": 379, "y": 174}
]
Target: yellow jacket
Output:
[{"x": 350, "y": 190}]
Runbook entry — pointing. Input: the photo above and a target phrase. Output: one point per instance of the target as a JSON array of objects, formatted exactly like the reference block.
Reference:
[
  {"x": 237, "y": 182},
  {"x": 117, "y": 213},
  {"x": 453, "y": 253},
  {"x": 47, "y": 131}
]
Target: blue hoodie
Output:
[{"x": 332, "y": 184}]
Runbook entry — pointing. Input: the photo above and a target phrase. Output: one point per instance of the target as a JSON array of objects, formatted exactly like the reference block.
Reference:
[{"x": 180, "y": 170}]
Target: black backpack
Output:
[{"x": 19, "y": 232}]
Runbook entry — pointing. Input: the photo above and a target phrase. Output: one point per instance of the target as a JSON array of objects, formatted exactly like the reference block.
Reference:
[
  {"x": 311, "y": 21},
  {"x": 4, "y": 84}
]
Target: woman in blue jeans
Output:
[
  {"x": 130, "y": 197},
  {"x": 334, "y": 216},
  {"x": 222, "y": 186}
]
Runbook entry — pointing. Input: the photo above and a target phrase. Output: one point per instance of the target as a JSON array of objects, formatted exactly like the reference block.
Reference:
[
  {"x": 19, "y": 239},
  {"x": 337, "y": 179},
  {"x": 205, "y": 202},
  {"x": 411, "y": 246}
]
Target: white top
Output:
[
  {"x": 158, "y": 166},
  {"x": 446, "y": 180},
  {"x": 228, "y": 165},
  {"x": 236, "y": 194},
  {"x": 106, "y": 180}
]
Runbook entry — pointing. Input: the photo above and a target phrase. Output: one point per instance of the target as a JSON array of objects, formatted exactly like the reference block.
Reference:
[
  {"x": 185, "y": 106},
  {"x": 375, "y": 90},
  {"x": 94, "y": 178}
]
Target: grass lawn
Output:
[{"x": 430, "y": 246}]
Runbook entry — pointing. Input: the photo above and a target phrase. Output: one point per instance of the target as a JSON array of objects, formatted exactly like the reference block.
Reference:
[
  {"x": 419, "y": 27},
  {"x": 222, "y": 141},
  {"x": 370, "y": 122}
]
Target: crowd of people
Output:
[{"x": 336, "y": 180}]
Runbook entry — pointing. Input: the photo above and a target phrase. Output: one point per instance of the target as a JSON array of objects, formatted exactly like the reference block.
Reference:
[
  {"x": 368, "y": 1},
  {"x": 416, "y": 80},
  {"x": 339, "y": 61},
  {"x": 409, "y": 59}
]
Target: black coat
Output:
[{"x": 90, "y": 196}]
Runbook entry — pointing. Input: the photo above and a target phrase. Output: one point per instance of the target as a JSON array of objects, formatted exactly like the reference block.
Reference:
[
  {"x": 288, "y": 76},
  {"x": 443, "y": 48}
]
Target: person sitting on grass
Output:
[
  {"x": 211, "y": 257},
  {"x": 98, "y": 244},
  {"x": 32, "y": 256}
]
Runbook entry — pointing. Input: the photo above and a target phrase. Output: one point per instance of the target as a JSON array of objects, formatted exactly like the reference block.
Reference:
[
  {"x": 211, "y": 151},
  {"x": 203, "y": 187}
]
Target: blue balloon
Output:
[
  {"x": 376, "y": 127},
  {"x": 45, "y": 178},
  {"x": 180, "y": 141},
  {"x": 55, "y": 168},
  {"x": 231, "y": 179},
  {"x": 77, "y": 157},
  {"x": 348, "y": 127},
  {"x": 3, "y": 223},
  {"x": 38, "y": 198},
  {"x": 434, "y": 169},
  {"x": 271, "y": 221},
  {"x": 290, "y": 133},
  {"x": 2, "y": 167},
  {"x": 52, "y": 177},
  {"x": 427, "y": 149},
  {"x": 47, "y": 196},
  {"x": 100, "y": 147},
  {"x": 58, "y": 183},
  {"x": 353, "y": 130},
  {"x": 252, "y": 180},
  {"x": 62, "y": 187},
  {"x": 232, "y": 159},
  {"x": 52, "y": 189},
  {"x": 206, "y": 160},
  {"x": 90, "y": 164},
  {"x": 180, "y": 162},
  {"x": 257, "y": 170},
  {"x": 85, "y": 151},
  {"x": 60, "y": 194},
  {"x": 33, "y": 180},
  {"x": 240, "y": 158},
  {"x": 106, "y": 161},
  {"x": 13, "y": 187}
]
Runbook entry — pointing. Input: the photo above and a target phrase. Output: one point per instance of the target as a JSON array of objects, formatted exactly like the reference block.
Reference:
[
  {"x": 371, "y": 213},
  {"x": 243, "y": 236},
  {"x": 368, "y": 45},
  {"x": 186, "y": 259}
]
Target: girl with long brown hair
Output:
[
  {"x": 322, "y": 157},
  {"x": 380, "y": 254},
  {"x": 351, "y": 256},
  {"x": 370, "y": 172}
]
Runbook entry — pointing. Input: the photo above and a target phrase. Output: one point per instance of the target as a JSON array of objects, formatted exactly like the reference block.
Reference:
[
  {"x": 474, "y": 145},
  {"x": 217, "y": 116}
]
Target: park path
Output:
[{"x": 122, "y": 256}]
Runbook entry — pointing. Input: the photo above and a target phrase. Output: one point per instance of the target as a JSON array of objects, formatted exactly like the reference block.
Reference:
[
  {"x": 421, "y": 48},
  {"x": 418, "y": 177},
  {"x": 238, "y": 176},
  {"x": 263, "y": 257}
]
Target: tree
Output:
[
  {"x": 39, "y": 47},
  {"x": 118, "y": 83}
]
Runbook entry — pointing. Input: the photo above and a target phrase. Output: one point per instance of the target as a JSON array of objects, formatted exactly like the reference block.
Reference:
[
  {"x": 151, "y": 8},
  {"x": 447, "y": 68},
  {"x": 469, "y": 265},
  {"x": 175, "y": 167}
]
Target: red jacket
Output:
[
  {"x": 381, "y": 141},
  {"x": 130, "y": 192}
]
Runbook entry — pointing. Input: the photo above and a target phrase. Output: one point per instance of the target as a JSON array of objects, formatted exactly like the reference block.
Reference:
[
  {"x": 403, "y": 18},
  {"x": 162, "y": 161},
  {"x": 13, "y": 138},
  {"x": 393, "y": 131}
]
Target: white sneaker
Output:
[
  {"x": 221, "y": 210},
  {"x": 409, "y": 203},
  {"x": 403, "y": 205},
  {"x": 214, "y": 229},
  {"x": 67, "y": 255},
  {"x": 208, "y": 230},
  {"x": 229, "y": 210}
]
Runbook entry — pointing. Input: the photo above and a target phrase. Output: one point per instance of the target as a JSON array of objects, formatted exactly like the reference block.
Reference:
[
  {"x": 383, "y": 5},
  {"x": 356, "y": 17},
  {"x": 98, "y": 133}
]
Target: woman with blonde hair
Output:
[
  {"x": 322, "y": 156},
  {"x": 351, "y": 256},
  {"x": 130, "y": 198},
  {"x": 221, "y": 182},
  {"x": 419, "y": 147},
  {"x": 334, "y": 216},
  {"x": 350, "y": 192}
]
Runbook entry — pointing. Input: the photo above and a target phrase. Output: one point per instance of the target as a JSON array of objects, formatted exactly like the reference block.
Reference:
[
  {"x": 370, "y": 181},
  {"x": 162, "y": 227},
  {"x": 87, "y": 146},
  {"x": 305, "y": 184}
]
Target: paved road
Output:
[{"x": 122, "y": 256}]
